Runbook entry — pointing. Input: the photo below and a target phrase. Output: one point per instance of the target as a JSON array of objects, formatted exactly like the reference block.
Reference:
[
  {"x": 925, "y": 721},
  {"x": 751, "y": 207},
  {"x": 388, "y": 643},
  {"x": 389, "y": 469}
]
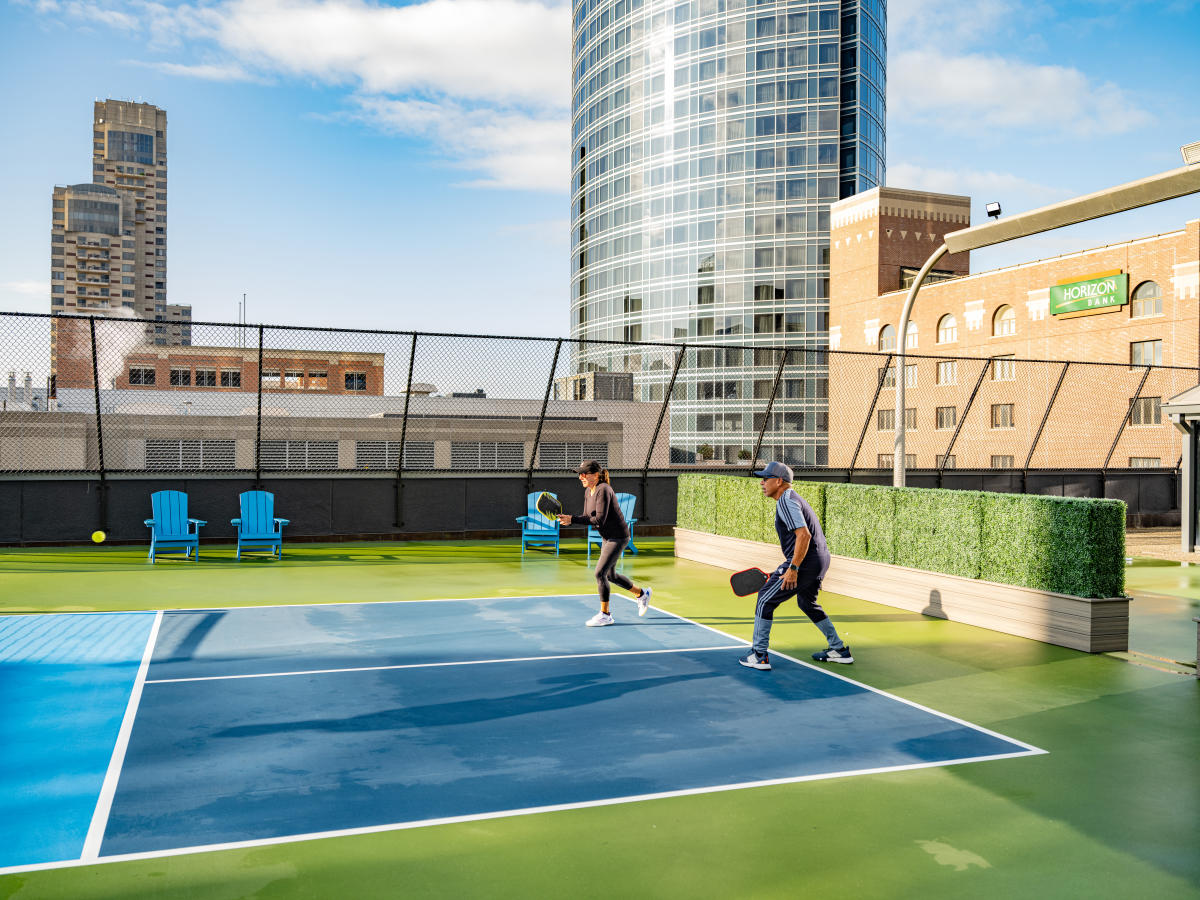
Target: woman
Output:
[{"x": 601, "y": 510}]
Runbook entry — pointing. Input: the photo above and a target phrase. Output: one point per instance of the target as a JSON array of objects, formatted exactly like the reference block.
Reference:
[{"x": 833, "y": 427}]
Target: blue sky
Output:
[{"x": 354, "y": 164}]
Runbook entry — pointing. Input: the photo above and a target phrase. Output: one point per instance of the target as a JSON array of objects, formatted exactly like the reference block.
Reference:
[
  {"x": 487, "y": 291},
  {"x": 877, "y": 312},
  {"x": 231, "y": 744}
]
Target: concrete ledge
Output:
[{"x": 1095, "y": 626}]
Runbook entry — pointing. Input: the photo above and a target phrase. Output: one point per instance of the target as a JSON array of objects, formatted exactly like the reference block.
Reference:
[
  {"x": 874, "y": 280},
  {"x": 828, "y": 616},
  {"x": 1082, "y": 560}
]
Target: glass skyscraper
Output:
[{"x": 709, "y": 139}]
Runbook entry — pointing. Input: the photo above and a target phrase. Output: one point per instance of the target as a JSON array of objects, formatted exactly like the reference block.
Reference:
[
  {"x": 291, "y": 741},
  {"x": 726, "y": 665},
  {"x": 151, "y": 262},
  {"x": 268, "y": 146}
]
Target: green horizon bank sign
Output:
[{"x": 1095, "y": 293}]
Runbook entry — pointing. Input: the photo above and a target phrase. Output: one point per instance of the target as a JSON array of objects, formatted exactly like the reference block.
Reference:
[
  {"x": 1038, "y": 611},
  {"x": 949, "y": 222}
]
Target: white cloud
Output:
[
  {"x": 512, "y": 148},
  {"x": 496, "y": 50},
  {"x": 203, "y": 71},
  {"x": 1013, "y": 192},
  {"x": 486, "y": 82},
  {"x": 974, "y": 91},
  {"x": 25, "y": 288}
]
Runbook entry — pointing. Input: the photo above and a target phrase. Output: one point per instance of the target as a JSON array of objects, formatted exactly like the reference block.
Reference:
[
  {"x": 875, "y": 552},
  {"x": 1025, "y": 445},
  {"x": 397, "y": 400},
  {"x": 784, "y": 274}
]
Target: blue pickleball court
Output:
[{"x": 270, "y": 723}]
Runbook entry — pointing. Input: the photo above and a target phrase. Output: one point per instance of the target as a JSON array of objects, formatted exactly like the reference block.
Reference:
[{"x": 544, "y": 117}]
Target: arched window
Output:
[
  {"x": 1004, "y": 322},
  {"x": 887, "y": 338},
  {"x": 910, "y": 337},
  {"x": 1147, "y": 300},
  {"x": 947, "y": 329}
]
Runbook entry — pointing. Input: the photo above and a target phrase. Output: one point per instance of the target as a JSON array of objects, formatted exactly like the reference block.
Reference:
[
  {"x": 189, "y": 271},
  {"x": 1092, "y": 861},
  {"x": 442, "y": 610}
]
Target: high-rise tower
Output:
[
  {"x": 108, "y": 247},
  {"x": 708, "y": 140}
]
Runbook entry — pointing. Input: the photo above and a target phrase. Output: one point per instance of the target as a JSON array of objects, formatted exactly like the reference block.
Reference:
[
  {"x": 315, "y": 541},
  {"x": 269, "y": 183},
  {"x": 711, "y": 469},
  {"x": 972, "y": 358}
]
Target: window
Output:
[
  {"x": 910, "y": 339},
  {"x": 947, "y": 371},
  {"x": 386, "y": 454},
  {"x": 206, "y": 378},
  {"x": 1146, "y": 411},
  {"x": 910, "y": 419},
  {"x": 910, "y": 376},
  {"x": 356, "y": 381},
  {"x": 1145, "y": 353},
  {"x": 180, "y": 378},
  {"x": 231, "y": 378},
  {"x": 947, "y": 417},
  {"x": 292, "y": 378},
  {"x": 318, "y": 380},
  {"x": 1147, "y": 300},
  {"x": 1004, "y": 368},
  {"x": 141, "y": 376},
  {"x": 947, "y": 329},
  {"x": 1002, "y": 462},
  {"x": 885, "y": 460},
  {"x": 1004, "y": 322},
  {"x": 1002, "y": 415},
  {"x": 1145, "y": 462},
  {"x": 569, "y": 454},
  {"x": 270, "y": 378},
  {"x": 946, "y": 462},
  {"x": 887, "y": 338},
  {"x": 487, "y": 455},
  {"x": 166, "y": 453},
  {"x": 885, "y": 420},
  {"x": 299, "y": 454}
]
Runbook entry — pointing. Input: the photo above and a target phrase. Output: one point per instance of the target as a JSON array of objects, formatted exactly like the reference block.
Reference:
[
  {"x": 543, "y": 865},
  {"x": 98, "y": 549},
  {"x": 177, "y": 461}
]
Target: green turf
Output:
[{"x": 1113, "y": 810}]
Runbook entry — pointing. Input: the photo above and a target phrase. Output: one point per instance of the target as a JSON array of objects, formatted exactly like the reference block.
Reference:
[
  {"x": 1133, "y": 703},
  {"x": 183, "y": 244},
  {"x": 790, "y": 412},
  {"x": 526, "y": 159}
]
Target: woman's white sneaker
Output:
[
  {"x": 643, "y": 601},
  {"x": 600, "y": 618}
]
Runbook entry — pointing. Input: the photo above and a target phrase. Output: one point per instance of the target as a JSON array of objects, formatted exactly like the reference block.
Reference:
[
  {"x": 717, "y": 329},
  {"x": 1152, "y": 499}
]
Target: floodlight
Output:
[
  {"x": 1191, "y": 153},
  {"x": 993, "y": 210}
]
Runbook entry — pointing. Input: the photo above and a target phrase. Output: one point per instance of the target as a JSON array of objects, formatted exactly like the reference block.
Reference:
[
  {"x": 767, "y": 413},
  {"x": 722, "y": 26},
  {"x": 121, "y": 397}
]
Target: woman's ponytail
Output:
[{"x": 604, "y": 477}]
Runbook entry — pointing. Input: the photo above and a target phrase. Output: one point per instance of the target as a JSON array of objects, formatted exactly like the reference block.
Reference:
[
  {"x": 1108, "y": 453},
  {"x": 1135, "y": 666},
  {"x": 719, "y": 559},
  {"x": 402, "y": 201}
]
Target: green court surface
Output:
[
  {"x": 1166, "y": 599},
  {"x": 1111, "y": 810}
]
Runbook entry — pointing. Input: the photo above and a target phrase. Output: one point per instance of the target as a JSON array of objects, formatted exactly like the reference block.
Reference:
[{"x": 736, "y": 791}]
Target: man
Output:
[{"x": 806, "y": 559}]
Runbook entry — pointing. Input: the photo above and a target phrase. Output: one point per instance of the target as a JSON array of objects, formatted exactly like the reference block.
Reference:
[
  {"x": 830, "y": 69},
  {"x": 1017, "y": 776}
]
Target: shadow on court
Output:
[{"x": 562, "y": 692}]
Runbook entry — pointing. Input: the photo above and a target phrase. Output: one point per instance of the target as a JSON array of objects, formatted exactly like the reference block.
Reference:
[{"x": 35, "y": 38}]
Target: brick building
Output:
[{"x": 1132, "y": 304}]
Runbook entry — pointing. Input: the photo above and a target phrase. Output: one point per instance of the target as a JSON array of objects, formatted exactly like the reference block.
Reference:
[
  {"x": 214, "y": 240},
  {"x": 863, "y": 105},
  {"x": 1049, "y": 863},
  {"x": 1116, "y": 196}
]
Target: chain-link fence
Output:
[{"x": 101, "y": 395}]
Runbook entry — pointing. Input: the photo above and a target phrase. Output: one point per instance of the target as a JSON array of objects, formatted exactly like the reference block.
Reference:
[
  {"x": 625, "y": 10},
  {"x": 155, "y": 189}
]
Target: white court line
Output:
[
  {"x": 91, "y": 844},
  {"x": 477, "y": 817},
  {"x": 1029, "y": 750},
  {"x": 193, "y": 609},
  {"x": 467, "y": 662}
]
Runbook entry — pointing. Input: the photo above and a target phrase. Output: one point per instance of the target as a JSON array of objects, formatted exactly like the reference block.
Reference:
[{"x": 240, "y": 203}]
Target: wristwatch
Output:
[{"x": 793, "y": 567}]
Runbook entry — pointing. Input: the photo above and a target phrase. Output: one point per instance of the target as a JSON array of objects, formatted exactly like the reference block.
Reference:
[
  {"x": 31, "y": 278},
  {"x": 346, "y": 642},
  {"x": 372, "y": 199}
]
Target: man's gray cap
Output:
[{"x": 776, "y": 470}]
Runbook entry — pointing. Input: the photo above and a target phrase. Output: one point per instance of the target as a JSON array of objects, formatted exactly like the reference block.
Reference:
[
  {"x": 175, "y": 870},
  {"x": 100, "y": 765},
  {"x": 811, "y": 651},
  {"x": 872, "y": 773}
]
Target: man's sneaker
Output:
[
  {"x": 643, "y": 601},
  {"x": 600, "y": 618},
  {"x": 841, "y": 655},
  {"x": 754, "y": 661}
]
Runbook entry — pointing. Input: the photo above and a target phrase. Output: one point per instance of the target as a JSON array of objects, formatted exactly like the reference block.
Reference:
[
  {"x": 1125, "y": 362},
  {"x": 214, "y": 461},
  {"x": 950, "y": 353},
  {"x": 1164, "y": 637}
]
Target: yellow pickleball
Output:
[{"x": 98, "y": 536}]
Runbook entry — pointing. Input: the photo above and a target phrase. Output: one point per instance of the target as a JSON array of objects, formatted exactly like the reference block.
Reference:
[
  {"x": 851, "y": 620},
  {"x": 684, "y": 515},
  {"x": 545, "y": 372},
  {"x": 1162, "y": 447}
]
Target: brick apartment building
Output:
[{"x": 1133, "y": 304}]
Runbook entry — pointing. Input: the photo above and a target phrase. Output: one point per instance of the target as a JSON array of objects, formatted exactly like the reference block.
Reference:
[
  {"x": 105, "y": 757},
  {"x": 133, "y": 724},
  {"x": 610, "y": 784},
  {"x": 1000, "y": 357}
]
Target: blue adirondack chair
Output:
[
  {"x": 257, "y": 526},
  {"x": 536, "y": 528},
  {"x": 626, "y": 502},
  {"x": 171, "y": 529}
]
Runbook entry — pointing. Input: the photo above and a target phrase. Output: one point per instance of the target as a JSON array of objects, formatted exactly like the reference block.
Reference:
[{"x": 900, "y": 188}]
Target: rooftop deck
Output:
[{"x": 1112, "y": 809}]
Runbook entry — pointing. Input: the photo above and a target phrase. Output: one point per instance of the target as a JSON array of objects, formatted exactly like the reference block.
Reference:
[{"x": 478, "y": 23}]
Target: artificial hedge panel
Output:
[
  {"x": 1068, "y": 545},
  {"x": 860, "y": 521},
  {"x": 939, "y": 531},
  {"x": 1065, "y": 545}
]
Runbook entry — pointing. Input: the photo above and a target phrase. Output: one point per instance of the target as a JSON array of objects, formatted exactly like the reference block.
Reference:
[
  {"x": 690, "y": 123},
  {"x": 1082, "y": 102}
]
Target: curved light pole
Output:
[{"x": 1145, "y": 191}]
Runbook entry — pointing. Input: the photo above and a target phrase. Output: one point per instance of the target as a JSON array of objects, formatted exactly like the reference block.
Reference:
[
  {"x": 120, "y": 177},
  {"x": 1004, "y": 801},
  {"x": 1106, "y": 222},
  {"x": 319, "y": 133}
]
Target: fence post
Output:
[
  {"x": 770, "y": 406},
  {"x": 1120, "y": 431},
  {"x": 537, "y": 437},
  {"x": 1045, "y": 418},
  {"x": 258, "y": 420},
  {"x": 398, "y": 501},
  {"x": 887, "y": 364},
  {"x": 102, "y": 488},
  {"x": 957, "y": 428},
  {"x": 657, "y": 428}
]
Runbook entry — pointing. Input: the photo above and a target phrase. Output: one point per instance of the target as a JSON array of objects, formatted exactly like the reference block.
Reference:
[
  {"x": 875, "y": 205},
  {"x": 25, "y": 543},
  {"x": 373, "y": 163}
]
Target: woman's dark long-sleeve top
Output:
[{"x": 601, "y": 510}]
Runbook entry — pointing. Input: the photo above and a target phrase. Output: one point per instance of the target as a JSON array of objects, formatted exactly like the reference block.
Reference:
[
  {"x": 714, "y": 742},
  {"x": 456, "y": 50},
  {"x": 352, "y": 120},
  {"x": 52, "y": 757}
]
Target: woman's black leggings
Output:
[{"x": 606, "y": 568}]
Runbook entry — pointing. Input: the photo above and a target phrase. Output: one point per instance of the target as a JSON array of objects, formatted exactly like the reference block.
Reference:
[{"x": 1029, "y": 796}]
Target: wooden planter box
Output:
[{"x": 1096, "y": 626}]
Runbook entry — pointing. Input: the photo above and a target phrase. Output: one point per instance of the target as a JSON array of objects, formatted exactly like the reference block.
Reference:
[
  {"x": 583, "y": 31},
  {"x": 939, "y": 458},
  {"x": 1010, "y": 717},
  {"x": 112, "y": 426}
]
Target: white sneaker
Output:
[
  {"x": 600, "y": 618},
  {"x": 643, "y": 601}
]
